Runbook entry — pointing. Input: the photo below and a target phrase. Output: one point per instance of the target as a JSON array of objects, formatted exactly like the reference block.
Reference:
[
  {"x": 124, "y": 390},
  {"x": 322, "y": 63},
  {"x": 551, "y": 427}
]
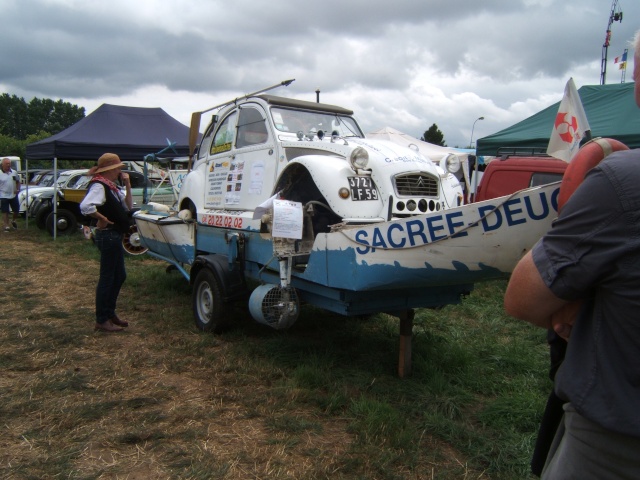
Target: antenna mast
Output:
[{"x": 614, "y": 16}]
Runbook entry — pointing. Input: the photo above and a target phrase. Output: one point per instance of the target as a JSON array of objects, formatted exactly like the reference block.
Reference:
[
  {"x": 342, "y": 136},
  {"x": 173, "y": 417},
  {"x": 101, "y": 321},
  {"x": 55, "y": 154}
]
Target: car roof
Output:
[
  {"x": 292, "y": 102},
  {"x": 73, "y": 172}
]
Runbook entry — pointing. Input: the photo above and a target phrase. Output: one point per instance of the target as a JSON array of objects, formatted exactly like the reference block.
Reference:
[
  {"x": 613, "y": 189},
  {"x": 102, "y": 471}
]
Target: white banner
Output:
[{"x": 569, "y": 127}]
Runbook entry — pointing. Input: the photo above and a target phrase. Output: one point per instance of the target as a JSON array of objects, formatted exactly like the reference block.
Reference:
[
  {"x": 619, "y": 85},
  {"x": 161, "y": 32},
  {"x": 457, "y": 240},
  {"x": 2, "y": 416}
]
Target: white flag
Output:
[{"x": 570, "y": 125}]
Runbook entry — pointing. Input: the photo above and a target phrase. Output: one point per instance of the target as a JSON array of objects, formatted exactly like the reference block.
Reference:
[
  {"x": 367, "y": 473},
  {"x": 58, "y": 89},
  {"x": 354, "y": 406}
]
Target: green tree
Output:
[
  {"x": 13, "y": 147},
  {"x": 19, "y": 119},
  {"x": 47, "y": 115},
  {"x": 9, "y": 146},
  {"x": 434, "y": 135},
  {"x": 13, "y": 116}
]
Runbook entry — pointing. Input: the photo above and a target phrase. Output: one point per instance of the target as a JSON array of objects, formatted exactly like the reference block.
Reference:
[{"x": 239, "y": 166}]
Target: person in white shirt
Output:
[
  {"x": 111, "y": 207},
  {"x": 9, "y": 188}
]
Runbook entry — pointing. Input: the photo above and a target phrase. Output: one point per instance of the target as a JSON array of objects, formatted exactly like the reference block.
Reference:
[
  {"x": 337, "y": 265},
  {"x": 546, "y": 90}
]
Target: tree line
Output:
[{"x": 23, "y": 123}]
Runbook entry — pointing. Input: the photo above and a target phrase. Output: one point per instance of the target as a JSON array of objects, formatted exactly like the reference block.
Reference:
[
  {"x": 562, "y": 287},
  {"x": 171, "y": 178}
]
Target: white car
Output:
[
  {"x": 66, "y": 179},
  {"x": 292, "y": 180},
  {"x": 311, "y": 152}
]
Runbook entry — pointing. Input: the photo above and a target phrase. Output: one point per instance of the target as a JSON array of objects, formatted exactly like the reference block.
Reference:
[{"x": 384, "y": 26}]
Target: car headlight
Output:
[
  {"x": 359, "y": 158},
  {"x": 451, "y": 163}
]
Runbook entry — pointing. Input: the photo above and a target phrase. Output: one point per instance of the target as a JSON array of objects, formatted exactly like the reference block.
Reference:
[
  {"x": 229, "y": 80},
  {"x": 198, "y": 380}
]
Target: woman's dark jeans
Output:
[{"x": 112, "y": 273}]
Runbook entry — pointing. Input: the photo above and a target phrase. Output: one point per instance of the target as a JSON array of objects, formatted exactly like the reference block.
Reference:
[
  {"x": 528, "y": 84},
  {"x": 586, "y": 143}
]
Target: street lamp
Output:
[
  {"x": 474, "y": 126},
  {"x": 475, "y": 180}
]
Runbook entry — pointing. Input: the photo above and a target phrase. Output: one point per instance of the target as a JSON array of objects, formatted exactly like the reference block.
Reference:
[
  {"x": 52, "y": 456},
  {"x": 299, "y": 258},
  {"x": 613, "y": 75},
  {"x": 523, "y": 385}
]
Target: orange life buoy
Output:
[{"x": 589, "y": 155}]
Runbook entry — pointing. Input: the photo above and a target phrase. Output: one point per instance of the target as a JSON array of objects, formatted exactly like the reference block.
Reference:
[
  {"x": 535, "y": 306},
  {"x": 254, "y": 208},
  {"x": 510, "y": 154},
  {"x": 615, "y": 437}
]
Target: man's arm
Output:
[{"x": 528, "y": 298}]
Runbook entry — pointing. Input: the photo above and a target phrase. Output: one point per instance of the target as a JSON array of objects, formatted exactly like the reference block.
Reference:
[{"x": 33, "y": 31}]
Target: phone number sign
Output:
[{"x": 223, "y": 221}]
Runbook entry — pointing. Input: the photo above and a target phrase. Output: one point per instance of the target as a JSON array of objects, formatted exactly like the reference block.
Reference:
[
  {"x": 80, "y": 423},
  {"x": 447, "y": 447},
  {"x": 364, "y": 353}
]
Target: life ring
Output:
[{"x": 589, "y": 155}]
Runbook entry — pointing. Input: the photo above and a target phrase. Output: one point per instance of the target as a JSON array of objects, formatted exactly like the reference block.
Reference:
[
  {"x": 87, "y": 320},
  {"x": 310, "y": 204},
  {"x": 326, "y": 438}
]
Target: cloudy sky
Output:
[{"x": 405, "y": 63}]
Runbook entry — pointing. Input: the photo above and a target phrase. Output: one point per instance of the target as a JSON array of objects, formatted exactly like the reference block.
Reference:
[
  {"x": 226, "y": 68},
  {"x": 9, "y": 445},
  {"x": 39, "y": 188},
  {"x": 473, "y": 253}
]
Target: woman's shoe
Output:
[
  {"x": 117, "y": 321},
  {"x": 107, "y": 327}
]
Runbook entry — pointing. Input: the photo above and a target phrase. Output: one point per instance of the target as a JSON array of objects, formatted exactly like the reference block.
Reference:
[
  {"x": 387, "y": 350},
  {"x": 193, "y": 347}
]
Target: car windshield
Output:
[
  {"x": 293, "y": 121},
  {"x": 74, "y": 181},
  {"x": 136, "y": 181},
  {"x": 83, "y": 182},
  {"x": 46, "y": 180},
  {"x": 63, "y": 179}
]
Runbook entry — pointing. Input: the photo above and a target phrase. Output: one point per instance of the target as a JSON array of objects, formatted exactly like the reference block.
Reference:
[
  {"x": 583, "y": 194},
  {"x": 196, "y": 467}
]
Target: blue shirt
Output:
[{"x": 592, "y": 252}]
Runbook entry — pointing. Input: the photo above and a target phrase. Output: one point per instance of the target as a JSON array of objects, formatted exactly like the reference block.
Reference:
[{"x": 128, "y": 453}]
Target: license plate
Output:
[{"x": 363, "y": 188}]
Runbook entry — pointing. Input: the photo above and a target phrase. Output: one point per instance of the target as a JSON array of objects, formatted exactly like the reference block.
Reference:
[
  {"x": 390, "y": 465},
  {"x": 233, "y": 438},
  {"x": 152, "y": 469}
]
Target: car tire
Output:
[
  {"x": 67, "y": 223},
  {"x": 41, "y": 216}
]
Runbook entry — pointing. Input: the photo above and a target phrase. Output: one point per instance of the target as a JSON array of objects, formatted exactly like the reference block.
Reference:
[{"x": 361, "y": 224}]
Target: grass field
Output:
[{"x": 321, "y": 400}]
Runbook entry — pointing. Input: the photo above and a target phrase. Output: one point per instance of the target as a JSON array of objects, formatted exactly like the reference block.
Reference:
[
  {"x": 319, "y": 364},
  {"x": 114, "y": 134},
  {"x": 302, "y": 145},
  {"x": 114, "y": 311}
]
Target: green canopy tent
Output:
[{"x": 611, "y": 111}]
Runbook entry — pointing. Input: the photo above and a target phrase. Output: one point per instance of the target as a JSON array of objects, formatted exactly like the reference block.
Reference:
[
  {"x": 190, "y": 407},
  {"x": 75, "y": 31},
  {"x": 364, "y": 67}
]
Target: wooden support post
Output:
[{"x": 406, "y": 330}]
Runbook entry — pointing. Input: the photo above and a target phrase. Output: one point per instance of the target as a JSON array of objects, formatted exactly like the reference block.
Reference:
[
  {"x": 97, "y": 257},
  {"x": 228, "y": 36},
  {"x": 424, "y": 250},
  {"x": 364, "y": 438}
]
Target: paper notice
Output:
[{"x": 287, "y": 219}]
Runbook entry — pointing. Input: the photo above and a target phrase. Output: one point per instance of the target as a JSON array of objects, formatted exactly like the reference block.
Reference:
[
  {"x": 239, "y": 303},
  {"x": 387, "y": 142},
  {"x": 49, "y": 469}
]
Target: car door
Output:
[
  {"x": 218, "y": 164},
  {"x": 242, "y": 163},
  {"x": 255, "y": 163}
]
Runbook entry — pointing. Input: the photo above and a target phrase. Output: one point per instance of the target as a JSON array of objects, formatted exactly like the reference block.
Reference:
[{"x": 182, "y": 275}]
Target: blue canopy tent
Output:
[{"x": 129, "y": 132}]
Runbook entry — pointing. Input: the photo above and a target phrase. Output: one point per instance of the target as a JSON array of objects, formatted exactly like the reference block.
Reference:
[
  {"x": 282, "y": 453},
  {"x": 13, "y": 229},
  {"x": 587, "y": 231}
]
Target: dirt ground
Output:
[
  {"x": 82, "y": 404},
  {"x": 160, "y": 400}
]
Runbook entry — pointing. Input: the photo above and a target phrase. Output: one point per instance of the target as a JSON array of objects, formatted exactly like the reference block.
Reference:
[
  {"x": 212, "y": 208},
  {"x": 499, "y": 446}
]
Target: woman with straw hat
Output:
[{"x": 106, "y": 203}]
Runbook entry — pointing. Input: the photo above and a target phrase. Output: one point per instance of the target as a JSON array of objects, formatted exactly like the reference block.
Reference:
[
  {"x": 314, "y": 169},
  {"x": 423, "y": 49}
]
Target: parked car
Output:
[
  {"x": 66, "y": 179},
  {"x": 68, "y": 212},
  {"x": 46, "y": 184},
  {"x": 44, "y": 179},
  {"x": 518, "y": 169},
  {"x": 156, "y": 192},
  {"x": 37, "y": 176}
]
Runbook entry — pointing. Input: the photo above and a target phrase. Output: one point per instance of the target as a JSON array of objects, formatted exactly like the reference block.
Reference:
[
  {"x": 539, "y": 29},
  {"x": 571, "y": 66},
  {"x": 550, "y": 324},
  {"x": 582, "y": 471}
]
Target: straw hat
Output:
[{"x": 107, "y": 161}]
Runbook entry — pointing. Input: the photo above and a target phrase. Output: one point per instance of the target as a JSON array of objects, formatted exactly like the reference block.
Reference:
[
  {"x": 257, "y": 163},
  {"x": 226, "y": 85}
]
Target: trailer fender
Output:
[{"x": 232, "y": 281}]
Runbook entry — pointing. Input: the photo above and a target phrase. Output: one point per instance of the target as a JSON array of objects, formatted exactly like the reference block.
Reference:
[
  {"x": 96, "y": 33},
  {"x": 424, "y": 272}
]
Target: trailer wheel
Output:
[{"x": 208, "y": 306}]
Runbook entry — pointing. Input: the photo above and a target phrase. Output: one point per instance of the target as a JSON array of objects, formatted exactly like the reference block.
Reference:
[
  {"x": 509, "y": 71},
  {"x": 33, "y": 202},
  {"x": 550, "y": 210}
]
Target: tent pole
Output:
[
  {"x": 55, "y": 197},
  {"x": 475, "y": 181},
  {"x": 26, "y": 186}
]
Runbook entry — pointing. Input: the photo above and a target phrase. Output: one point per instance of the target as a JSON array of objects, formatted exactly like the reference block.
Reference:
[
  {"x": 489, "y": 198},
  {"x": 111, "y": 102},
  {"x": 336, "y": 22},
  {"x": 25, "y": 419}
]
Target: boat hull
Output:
[
  {"x": 424, "y": 260},
  {"x": 167, "y": 237}
]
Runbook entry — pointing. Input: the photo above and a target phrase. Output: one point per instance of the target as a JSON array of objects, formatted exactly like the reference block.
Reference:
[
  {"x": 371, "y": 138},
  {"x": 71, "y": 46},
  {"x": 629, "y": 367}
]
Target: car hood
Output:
[
  {"x": 382, "y": 153},
  {"x": 34, "y": 190}
]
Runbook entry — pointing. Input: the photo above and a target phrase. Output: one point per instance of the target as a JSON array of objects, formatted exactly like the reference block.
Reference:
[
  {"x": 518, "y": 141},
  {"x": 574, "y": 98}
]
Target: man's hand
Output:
[
  {"x": 562, "y": 320},
  {"x": 102, "y": 221}
]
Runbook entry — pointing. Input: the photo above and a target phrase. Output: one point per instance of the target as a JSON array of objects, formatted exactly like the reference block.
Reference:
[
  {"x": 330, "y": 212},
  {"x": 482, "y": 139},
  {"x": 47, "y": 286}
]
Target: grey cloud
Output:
[{"x": 369, "y": 53}]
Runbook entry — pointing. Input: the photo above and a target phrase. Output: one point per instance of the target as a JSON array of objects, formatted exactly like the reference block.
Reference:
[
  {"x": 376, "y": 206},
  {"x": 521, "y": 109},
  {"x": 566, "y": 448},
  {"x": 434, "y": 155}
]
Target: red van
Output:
[{"x": 509, "y": 173}]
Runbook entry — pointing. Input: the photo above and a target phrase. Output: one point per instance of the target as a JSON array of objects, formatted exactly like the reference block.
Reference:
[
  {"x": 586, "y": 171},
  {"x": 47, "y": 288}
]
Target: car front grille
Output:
[{"x": 416, "y": 185}]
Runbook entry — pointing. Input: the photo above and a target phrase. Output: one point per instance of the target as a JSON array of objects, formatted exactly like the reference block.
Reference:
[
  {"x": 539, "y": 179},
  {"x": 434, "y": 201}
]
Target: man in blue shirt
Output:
[{"x": 582, "y": 279}]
